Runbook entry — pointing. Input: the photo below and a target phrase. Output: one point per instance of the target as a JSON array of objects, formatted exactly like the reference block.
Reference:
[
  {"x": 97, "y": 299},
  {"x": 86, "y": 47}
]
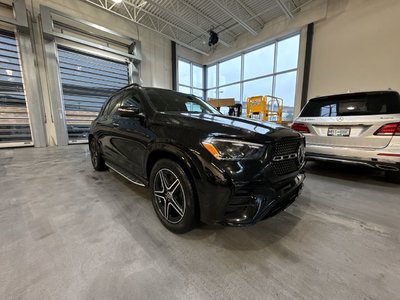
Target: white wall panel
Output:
[{"x": 356, "y": 48}]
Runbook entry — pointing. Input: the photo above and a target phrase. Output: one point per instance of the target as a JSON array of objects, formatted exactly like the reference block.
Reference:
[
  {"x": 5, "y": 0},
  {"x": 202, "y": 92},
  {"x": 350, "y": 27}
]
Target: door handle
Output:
[{"x": 115, "y": 125}]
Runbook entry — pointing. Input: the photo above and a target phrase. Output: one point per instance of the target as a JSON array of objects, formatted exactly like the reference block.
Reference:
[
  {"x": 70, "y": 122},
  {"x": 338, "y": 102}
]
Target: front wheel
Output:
[
  {"x": 392, "y": 176},
  {"x": 173, "y": 196},
  {"x": 96, "y": 157}
]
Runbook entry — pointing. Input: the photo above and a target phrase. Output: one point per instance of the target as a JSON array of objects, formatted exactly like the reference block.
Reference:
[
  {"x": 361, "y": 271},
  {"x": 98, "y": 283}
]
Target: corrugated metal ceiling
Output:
[{"x": 188, "y": 21}]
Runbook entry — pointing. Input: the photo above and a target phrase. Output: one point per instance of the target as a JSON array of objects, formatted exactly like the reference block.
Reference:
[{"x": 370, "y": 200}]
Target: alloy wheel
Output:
[
  {"x": 169, "y": 195},
  {"x": 94, "y": 154}
]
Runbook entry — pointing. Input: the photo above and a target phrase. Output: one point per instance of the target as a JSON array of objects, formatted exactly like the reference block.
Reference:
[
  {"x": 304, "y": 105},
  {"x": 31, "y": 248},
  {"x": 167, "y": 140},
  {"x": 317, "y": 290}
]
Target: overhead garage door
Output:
[
  {"x": 87, "y": 82},
  {"x": 14, "y": 119}
]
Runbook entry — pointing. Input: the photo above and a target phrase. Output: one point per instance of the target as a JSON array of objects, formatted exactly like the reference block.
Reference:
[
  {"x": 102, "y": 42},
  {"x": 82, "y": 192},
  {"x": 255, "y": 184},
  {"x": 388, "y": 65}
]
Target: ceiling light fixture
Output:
[{"x": 117, "y": 1}]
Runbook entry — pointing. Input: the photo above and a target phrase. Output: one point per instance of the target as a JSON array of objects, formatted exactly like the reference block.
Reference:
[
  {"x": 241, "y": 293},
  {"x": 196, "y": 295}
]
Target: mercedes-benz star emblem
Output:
[{"x": 301, "y": 154}]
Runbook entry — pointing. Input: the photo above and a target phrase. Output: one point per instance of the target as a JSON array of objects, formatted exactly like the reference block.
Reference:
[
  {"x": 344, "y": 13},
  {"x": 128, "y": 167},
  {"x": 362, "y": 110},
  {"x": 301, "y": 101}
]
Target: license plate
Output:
[{"x": 338, "y": 131}]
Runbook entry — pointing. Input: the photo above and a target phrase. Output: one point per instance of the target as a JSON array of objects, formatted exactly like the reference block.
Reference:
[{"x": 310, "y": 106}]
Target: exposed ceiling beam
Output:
[
  {"x": 301, "y": 6},
  {"x": 199, "y": 12},
  {"x": 250, "y": 12},
  {"x": 160, "y": 29},
  {"x": 286, "y": 10},
  {"x": 178, "y": 16},
  {"x": 233, "y": 16},
  {"x": 252, "y": 17}
]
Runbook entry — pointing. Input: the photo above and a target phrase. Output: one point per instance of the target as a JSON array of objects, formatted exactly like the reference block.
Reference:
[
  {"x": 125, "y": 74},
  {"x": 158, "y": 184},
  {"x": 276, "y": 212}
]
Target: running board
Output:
[{"x": 127, "y": 176}]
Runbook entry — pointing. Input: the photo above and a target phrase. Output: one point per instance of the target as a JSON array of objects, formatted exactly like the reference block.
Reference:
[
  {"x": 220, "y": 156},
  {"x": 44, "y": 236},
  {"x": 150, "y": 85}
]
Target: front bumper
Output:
[
  {"x": 244, "y": 192},
  {"x": 247, "y": 202},
  {"x": 257, "y": 203}
]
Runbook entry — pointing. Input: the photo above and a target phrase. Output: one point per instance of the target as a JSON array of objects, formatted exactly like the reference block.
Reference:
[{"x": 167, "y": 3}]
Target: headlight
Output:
[{"x": 227, "y": 149}]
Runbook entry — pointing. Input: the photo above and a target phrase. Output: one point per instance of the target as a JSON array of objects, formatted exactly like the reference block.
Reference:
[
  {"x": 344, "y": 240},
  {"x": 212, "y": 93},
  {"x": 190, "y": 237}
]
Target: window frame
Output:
[
  {"x": 191, "y": 86},
  {"x": 132, "y": 91},
  {"x": 106, "y": 111},
  {"x": 242, "y": 81}
]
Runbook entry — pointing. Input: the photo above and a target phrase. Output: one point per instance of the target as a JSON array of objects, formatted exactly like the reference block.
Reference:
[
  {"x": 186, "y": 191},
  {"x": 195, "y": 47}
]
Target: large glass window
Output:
[
  {"x": 259, "y": 62},
  {"x": 190, "y": 78},
  {"x": 198, "y": 93},
  {"x": 197, "y": 77},
  {"x": 212, "y": 94},
  {"x": 184, "y": 89},
  {"x": 229, "y": 71},
  {"x": 288, "y": 54},
  {"x": 230, "y": 91},
  {"x": 285, "y": 88},
  {"x": 258, "y": 87},
  {"x": 212, "y": 76},
  {"x": 270, "y": 70},
  {"x": 184, "y": 72}
]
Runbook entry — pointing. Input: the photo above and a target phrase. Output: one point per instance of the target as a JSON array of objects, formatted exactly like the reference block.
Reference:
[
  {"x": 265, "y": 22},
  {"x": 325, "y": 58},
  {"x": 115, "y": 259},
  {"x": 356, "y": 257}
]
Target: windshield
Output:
[
  {"x": 361, "y": 104},
  {"x": 170, "y": 101}
]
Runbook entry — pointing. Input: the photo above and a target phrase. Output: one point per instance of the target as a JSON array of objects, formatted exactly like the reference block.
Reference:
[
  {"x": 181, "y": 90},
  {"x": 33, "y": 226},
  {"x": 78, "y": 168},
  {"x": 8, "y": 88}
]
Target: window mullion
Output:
[
  {"x": 191, "y": 78},
  {"x": 217, "y": 79},
  {"x": 241, "y": 80},
  {"x": 274, "y": 71}
]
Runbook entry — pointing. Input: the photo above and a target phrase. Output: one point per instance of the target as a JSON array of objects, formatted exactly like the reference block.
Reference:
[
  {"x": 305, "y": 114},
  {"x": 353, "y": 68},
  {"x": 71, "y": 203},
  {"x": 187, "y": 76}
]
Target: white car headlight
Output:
[{"x": 231, "y": 149}]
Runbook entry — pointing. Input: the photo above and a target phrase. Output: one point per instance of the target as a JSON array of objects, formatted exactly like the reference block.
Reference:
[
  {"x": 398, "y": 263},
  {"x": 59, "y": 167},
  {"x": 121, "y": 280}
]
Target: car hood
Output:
[{"x": 221, "y": 125}]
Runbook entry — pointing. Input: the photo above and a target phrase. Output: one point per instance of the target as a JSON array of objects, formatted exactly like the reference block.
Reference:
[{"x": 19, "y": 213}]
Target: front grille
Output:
[
  {"x": 283, "y": 148},
  {"x": 286, "y": 147},
  {"x": 285, "y": 166}
]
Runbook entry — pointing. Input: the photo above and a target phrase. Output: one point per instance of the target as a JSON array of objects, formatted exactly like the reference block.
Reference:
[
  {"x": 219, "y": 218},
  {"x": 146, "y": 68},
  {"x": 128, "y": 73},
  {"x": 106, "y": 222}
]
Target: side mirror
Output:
[{"x": 129, "y": 111}]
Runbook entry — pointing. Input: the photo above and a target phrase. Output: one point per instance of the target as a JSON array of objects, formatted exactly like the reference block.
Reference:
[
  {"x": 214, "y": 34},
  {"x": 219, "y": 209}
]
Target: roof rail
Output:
[
  {"x": 129, "y": 85},
  {"x": 134, "y": 84}
]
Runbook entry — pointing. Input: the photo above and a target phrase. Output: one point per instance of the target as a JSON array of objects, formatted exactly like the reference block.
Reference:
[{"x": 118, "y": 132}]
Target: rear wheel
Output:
[
  {"x": 173, "y": 196},
  {"x": 392, "y": 176},
  {"x": 96, "y": 157}
]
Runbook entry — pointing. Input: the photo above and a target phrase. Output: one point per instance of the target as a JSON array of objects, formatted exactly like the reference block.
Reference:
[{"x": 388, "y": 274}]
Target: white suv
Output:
[{"x": 355, "y": 128}]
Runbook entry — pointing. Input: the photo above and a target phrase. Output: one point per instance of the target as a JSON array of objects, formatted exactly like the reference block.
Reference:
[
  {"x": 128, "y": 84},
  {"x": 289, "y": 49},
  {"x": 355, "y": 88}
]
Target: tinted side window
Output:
[
  {"x": 131, "y": 98},
  {"x": 193, "y": 107},
  {"x": 113, "y": 104},
  {"x": 106, "y": 105}
]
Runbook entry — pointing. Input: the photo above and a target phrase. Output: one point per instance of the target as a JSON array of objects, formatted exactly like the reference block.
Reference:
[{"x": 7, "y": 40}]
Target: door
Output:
[
  {"x": 107, "y": 130},
  {"x": 133, "y": 136},
  {"x": 87, "y": 82},
  {"x": 14, "y": 118}
]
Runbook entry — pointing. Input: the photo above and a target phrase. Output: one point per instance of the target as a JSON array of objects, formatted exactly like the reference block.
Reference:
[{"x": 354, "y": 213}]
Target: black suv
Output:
[{"x": 198, "y": 163}]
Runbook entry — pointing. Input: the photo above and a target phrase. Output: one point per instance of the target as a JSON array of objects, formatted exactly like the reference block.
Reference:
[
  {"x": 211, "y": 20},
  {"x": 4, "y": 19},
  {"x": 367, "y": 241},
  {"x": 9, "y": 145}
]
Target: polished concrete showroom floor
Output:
[{"x": 68, "y": 232}]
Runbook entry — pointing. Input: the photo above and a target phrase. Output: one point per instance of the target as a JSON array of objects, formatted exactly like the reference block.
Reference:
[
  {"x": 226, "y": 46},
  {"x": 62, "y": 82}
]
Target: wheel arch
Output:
[
  {"x": 183, "y": 160},
  {"x": 175, "y": 154}
]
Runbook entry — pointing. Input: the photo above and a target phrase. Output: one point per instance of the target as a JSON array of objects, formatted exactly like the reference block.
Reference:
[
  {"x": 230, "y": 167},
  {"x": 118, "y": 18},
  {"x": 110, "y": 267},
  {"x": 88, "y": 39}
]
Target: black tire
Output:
[
  {"x": 173, "y": 197},
  {"x": 96, "y": 156},
  {"x": 392, "y": 176}
]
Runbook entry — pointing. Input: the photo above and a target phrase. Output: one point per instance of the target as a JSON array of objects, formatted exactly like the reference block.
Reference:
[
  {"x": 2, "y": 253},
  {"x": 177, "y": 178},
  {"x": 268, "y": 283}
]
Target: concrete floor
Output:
[{"x": 68, "y": 232}]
